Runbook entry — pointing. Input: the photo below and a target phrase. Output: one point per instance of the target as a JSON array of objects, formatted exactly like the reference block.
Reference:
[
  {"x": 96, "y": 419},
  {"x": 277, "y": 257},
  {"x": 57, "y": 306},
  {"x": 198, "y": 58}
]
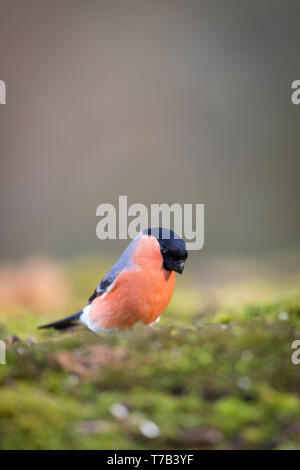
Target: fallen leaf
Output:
[{"x": 89, "y": 361}]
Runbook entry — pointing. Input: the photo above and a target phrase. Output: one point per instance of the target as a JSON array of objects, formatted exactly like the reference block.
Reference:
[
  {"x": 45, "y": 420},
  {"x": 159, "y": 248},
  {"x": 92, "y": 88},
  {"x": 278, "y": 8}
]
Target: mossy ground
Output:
[{"x": 208, "y": 376}]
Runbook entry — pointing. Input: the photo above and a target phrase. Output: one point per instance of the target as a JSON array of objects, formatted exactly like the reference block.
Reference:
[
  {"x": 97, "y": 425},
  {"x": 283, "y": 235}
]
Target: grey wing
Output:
[{"x": 124, "y": 262}]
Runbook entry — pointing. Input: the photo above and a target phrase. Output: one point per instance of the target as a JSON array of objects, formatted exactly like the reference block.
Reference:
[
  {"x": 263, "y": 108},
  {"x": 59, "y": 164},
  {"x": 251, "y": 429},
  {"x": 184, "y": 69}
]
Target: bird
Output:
[{"x": 137, "y": 288}]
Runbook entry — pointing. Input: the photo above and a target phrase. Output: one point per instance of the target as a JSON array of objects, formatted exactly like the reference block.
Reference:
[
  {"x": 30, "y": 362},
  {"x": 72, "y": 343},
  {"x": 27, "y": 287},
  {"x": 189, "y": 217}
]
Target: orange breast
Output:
[{"x": 141, "y": 293}]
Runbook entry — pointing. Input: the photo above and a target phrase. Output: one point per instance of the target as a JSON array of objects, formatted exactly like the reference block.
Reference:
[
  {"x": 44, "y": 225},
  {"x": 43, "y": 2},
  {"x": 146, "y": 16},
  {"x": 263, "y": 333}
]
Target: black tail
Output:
[{"x": 64, "y": 323}]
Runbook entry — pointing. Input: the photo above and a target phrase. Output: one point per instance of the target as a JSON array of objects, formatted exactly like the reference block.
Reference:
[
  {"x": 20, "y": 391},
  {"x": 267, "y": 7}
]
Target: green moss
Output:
[{"x": 208, "y": 377}]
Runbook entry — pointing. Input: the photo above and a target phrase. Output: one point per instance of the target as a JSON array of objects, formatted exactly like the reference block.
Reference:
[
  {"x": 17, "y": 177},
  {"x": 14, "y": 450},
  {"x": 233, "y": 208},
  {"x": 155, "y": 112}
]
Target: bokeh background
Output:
[
  {"x": 162, "y": 101},
  {"x": 172, "y": 101}
]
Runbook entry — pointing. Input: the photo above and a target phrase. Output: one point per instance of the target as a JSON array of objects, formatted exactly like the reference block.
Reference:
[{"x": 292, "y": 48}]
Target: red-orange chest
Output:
[
  {"x": 149, "y": 293},
  {"x": 154, "y": 285},
  {"x": 140, "y": 293}
]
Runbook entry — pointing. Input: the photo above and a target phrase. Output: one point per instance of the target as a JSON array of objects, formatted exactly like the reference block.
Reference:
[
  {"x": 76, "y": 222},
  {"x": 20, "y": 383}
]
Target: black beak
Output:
[{"x": 179, "y": 267}]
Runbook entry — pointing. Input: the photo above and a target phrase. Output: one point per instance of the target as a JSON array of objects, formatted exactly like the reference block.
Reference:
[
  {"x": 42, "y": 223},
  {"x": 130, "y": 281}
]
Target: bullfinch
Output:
[{"x": 138, "y": 287}]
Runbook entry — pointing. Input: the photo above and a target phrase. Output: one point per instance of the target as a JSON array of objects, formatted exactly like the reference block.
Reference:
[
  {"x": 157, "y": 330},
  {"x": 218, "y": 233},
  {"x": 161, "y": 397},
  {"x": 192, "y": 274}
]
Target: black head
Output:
[{"x": 172, "y": 248}]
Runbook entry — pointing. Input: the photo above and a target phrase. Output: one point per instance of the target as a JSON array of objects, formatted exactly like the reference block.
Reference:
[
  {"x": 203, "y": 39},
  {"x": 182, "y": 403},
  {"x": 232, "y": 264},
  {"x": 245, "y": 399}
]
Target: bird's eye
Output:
[{"x": 164, "y": 251}]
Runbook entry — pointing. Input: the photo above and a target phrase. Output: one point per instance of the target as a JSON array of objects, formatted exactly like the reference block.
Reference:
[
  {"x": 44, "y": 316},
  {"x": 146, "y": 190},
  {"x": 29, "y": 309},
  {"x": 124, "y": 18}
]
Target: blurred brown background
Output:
[{"x": 163, "y": 101}]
